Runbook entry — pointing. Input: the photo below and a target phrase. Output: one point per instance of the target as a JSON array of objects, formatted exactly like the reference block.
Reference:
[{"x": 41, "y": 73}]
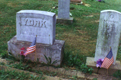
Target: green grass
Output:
[
  {"x": 117, "y": 74},
  {"x": 10, "y": 75},
  {"x": 80, "y": 37}
]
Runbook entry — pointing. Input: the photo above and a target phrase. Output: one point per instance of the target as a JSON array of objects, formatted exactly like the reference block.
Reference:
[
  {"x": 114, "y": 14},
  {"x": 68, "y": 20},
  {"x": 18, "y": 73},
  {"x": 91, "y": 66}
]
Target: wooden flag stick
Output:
[
  {"x": 107, "y": 72},
  {"x": 35, "y": 50},
  {"x": 20, "y": 58}
]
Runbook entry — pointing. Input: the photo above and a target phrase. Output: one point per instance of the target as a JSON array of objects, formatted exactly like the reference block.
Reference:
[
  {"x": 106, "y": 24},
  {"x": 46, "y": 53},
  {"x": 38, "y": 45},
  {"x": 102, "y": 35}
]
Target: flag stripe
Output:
[
  {"x": 32, "y": 48},
  {"x": 108, "y": 61}
]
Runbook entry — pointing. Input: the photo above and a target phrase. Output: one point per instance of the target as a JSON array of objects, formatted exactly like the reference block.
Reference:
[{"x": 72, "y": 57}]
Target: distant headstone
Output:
[
  {"x": 32, "y": 22},
  {"x": 64, "y": 9},
  {"x": 108, "y": 34}
]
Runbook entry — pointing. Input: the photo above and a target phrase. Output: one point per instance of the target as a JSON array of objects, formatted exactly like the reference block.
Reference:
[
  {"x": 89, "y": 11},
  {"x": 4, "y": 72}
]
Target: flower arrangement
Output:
[
  {"x": 22, "y": 51},
  {"x": 99, "y": 62},
  {"x": 99, "y": 0}
]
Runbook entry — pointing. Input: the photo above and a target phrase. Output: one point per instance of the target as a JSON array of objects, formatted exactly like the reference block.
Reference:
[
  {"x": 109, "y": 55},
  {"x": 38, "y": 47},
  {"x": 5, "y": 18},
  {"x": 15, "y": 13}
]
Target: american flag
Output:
[
  {"x": 32, "y": 48},
  {"x": 108, "y": 61}
]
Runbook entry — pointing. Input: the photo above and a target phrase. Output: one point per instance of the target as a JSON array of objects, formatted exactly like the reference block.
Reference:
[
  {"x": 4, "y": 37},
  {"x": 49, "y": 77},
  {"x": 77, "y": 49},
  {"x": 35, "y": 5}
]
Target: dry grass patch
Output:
[
  {"x": 89, "y": 16},
  {"x": 97, "y": 21},
  {"x": 24, "y": 2},
  {"x": 0, "y": 12},
  {"x": 82, "y": 43},
  {"x": 6, "y": 26},
  {"x": 14, "y": 4},
  {"x": 78, "y": 19}
]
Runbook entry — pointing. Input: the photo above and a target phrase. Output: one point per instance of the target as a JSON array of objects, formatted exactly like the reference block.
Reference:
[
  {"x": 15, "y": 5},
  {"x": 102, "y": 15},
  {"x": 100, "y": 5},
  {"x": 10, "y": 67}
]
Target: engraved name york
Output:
[{"x": 35, "y": 22}]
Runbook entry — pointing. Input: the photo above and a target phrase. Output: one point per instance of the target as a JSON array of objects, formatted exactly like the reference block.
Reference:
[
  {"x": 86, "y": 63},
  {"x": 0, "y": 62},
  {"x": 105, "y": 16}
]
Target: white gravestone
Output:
[
  {"x": 108, "y": 34},
  {"x": 33, "y": 22}
]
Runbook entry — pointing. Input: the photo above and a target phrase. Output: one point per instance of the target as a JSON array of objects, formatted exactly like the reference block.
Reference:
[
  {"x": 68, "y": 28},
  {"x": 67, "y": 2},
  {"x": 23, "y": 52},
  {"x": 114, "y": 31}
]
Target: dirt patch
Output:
[
  {"x": 90, "y": 16},
  {"x": 81, "y": 32}
]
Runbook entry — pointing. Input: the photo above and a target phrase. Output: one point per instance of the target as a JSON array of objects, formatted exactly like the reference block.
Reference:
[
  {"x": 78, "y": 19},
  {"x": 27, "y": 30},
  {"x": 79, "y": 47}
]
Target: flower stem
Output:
[{"x": 98, "y": 69}]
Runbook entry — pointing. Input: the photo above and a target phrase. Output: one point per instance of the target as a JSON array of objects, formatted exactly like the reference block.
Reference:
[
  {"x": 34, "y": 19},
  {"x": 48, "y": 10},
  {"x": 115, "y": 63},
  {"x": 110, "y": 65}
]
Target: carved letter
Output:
[
  {"x": 43, "y": 24},
  {"x": 36, "y": 24},
  {"x": 31, "y": 22},
  {"x": 26, "y": 22}
]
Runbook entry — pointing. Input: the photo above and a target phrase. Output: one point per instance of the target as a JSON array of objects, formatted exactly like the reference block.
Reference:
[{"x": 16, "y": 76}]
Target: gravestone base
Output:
[
  {"x": 60, "y": 20},
  {"x": 113, "y": 68},
  {"x": 55, "y": 52}
]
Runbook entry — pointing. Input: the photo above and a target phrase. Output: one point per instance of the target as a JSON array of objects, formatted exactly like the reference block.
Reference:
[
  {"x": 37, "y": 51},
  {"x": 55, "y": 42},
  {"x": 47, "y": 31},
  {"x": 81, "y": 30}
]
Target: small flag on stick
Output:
[
  {"x": 108, "y": 61},
  {"x": 32, "y": 48}
]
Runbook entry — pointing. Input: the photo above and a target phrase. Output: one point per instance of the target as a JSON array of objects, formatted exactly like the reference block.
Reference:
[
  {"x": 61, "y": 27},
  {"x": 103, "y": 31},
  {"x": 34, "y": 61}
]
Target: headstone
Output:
[
  {"x": 108, "y": 34},
  {"x": 33, "y": 22},
  {"x": 30, "y": 23},
  {"x": 63, "y": 9}
]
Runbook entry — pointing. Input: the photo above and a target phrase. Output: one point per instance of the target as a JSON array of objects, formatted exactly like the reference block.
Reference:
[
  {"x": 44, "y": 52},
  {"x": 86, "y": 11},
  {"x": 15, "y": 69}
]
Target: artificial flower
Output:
[
  {"x": 22, "y": 51},
  {"x": 99, "y": 62}
]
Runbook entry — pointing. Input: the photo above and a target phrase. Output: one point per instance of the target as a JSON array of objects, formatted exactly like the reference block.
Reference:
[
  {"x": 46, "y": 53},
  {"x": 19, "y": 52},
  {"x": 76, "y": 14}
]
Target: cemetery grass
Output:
[
  {"x": 80, "y": 36},
  {"x": 10, "y": 75}
]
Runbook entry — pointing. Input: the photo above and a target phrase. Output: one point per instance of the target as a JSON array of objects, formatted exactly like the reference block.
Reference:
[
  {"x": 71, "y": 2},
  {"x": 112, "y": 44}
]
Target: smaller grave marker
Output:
[{"x": 64, "y": 11}]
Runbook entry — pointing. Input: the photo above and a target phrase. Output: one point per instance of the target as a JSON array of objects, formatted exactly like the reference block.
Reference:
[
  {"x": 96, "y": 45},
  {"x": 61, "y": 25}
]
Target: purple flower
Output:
[{"x": 99, "y": 62}]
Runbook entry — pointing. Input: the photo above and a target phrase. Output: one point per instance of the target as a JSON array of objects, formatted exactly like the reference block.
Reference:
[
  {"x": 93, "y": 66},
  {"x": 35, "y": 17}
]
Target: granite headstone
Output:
[{"x": 30, "y": 23}]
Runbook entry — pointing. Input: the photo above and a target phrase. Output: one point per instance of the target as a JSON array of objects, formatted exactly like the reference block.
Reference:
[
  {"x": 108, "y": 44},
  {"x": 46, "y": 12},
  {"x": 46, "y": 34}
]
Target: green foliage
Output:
[
  {"x": 95, "y": 79},
  {"x": 74, "y": 77},
  {"x": 86, "y": 69},
  {"x": 33, "y": 77},
  {"x": 22, "y": 67},
  {"x": 39, "y": 72},
  {"x": 117, "y": 74},
  {"x": 4, "y": 55},
  {"x": 5, "y": 75},
  {"x": 2, "y": 63},
  {"x": 76, "y": 61},
  {"x": 49, "y": 61},
  {"x": 73, "y": 60},
  {"x": 11, "y": 57},
  {"x": 51, "y": 73}
]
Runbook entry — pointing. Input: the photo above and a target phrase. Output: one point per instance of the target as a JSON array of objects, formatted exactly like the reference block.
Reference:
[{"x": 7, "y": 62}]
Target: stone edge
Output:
[{"x": 59, "y": 20}]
